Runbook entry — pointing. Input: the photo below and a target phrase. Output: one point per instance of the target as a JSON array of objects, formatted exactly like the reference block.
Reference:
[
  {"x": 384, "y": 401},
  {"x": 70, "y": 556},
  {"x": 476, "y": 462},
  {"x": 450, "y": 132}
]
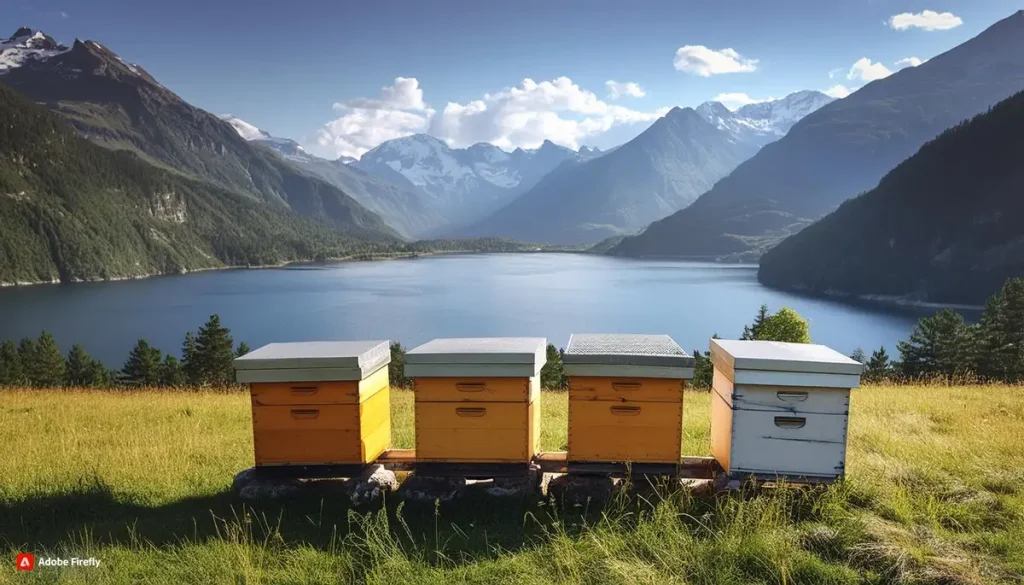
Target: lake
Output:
[{"x": 415, "y": 300}]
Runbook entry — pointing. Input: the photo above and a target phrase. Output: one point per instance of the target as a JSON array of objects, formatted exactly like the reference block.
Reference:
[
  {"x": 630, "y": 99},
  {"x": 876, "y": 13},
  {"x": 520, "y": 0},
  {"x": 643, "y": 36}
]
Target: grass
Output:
[{"x": 141, "y": 480}]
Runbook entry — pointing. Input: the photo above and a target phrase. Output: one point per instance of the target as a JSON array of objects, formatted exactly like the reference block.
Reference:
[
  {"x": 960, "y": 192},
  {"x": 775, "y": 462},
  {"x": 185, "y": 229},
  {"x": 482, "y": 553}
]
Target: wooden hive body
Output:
[
  {"x": 625, "y": 398},
  {"x": 477, "y": 399},
  {"x": 780, "y": 410},
  {"x": 323, "y": 403}
]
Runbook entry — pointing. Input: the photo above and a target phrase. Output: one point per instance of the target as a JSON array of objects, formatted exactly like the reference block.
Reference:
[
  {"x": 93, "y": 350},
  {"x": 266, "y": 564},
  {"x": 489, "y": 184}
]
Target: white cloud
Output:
[
  {"x": 833, "y": 72},
  {"x": 908, "y": 62},
  {"x": 734, "y": 100},
  {"x": 364, "y": 123},
  {"x": 865, "y": 70},
  {"x": 630, "y": 88},
  {"x": 838, "y": 91},
  {"x": 705, "y": 62},
  {"x": 927, "y": 20},
  {"x": 524, "y": 116}
]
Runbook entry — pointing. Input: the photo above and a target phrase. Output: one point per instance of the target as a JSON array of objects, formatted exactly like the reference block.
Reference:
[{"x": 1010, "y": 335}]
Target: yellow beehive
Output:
[
  {"x": 625, "y": 398},
  {"x": 318, "y": 403},
  {"x": 477, "y": 399}
]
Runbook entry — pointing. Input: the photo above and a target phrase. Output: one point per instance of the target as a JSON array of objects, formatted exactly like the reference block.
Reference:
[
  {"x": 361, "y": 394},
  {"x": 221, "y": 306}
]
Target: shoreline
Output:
[{"x": 373, "y": 258}]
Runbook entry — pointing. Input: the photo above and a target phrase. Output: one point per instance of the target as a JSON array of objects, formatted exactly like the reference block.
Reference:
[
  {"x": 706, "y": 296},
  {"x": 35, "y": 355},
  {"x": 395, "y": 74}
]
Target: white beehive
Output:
[{"x": 781, "y": 409}]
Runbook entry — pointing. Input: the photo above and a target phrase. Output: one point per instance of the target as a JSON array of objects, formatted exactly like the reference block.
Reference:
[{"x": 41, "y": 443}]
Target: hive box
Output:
[
  {"x": 477, "y": 399},
  {"x": 781, "y": 409},
  {"x": 318, "y": 403},
  {"x": 625, "y": 397}
]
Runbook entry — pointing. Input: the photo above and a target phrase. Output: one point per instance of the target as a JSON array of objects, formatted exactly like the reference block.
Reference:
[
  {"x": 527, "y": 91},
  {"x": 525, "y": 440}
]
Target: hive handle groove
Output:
[
  {"x": 470, "y": 386},
  {"x": 626, "y": 386},
  {"x": 470, "y": 411},
  {"x": 792, "y": 396},
  {"x": 790, "y": 422},
  {"x": 305, "y": 413},
  {"x": 304, "y": 389},
  {"x": 625, "y": 410}
]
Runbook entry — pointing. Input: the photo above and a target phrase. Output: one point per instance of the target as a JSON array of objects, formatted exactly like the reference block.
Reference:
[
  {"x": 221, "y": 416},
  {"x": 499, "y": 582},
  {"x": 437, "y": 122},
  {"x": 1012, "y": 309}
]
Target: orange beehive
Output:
[
  {"x": 625, "y": 398},
  {"x": 477, "y": 399},
  {"x": 318, "y": 403}
]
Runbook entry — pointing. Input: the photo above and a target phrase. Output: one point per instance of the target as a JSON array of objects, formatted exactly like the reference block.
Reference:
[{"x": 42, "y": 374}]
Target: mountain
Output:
[
  {"x": 840, "y": 150},
  {"x": 946, "y": 225},
  {"x": 120, "y": 106},
  {"x": 71, "y": 210},
  {"x": 660, "y": 171},
  {"x": 401, "y": 206},
  {"x": 465, "y": 184},
  {"x": 764, "y": 122}
]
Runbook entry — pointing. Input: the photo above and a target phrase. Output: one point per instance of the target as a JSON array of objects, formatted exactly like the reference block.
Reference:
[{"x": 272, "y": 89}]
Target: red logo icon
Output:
[{"x": 25, "y": 562}]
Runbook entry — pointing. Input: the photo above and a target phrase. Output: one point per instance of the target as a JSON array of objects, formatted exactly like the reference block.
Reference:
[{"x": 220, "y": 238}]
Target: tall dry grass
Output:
[{"x": 935, "y": 493}]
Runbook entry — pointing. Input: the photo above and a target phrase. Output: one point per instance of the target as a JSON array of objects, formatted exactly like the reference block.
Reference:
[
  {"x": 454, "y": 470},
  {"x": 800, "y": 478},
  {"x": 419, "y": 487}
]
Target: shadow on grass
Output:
[{"x": 475, "y": 524}]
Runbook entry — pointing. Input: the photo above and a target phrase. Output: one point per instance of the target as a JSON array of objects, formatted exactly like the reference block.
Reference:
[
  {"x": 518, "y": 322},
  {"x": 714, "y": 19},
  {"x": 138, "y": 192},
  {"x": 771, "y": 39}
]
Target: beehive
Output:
[
  {"x": 781, "y": 409},
  {"x": 477, "y": 399},
  {"x": 318, "y": 403},
  {"x": 625, "y": 397}
]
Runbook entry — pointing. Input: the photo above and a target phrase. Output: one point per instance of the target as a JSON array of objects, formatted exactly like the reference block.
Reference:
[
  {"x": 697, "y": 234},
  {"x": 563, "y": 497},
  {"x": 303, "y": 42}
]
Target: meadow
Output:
[{"x": 141, "y": 480}]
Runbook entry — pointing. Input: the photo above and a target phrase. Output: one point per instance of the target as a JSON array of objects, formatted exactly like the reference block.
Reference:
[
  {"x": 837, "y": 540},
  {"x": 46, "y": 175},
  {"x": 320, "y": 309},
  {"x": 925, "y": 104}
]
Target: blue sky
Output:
[{"x": 314, "y": 70}]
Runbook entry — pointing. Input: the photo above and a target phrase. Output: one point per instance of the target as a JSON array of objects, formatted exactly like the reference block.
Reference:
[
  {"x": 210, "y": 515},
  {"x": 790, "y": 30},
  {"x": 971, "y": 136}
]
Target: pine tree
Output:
[
  {"x": 878, "y": 365},
  {"x": 552, "y": 375},
  {"x": 859, "y": 356},
  {"x": 171, "y": 373},
  {"x": 78, "y": 370},
  {"x": 215, "y": 354},
  {"x": 10, "y": 365},
  {"x": 42, "y": 362},
  {"x": 143, "y": 365},
  {"x": 750, "y": 332},
  {"x": 1001, "y": 332},
  {"x": 243, "y": 348},
  {"x": 27, "y": 360},
  {"x": 190, "y": 360},
  {"x": 396, "y": 368},
  {"x": 942, "y": 344}
]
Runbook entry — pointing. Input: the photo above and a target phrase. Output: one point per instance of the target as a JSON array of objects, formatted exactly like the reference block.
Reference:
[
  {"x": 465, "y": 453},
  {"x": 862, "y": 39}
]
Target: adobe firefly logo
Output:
[{"x": 25, "y": 562}]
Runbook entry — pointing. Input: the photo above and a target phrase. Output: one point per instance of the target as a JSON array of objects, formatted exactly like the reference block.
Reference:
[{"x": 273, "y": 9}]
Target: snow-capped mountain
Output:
[
  {"x": 763, "y": 122},
  {"x": 400, "y": 205},
  {"x": 27, "y": 45},
  {"x": 466, "y": 184}
]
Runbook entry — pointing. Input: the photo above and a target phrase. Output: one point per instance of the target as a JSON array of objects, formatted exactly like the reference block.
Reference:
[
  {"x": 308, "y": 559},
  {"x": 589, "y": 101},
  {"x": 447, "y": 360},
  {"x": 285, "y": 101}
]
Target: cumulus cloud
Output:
[
  {"x": 908, "y": 62},
  {"x": 628, "y": 88},
  {"x": 838, "y": 91},
  {"x": 864, "y": 70},
  {"x": 363, "y": 123},
  {"x": 524, "y": 116},
  {"x": 735, "y": 100},
  {"x": 833, "y": 72},
  {"x": 705, "y": 62},
  {"x": 926, "y": 20}
]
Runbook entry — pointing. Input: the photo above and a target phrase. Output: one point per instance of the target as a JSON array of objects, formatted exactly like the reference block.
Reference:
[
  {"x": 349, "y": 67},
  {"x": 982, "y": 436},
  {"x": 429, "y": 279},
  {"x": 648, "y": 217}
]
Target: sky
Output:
[{"x": 341, "y": 77}]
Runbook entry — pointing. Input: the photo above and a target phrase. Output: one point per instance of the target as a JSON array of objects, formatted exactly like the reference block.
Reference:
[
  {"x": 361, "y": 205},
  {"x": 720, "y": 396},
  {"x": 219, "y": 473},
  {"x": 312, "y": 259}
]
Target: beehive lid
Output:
[
  {"x": 498, "y": 357},
  {"x": 777, "y": 356},
  {"x": 625, "y": 349},
  {"x": 365, "y": 357},
  {"x": 480, "y": 350}
]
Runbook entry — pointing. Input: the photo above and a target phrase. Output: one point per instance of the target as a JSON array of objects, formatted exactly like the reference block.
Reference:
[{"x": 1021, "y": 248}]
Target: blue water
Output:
[{"x": 413, "y": 301}]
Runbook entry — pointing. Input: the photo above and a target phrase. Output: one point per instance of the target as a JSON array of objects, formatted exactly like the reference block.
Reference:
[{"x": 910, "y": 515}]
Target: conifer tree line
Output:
[
  {"x": 206, "y": 361},
  {"x": 942, "y": 345},
  {"x": 945, "y": 346}
]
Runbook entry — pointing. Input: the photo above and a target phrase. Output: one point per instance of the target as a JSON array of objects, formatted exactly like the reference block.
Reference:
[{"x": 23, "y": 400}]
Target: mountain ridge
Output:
[
  {"x": 839, "y": 151},
  {"x": 120, "y": 106},
  {"x": 911, "y": 236}
]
